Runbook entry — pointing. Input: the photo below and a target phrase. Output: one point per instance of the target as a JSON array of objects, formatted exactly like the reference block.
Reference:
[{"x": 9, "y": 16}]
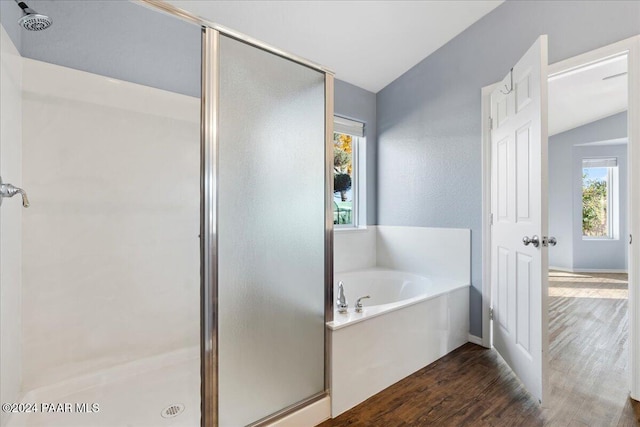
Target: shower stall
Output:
[{"x": 174, "y": 266}]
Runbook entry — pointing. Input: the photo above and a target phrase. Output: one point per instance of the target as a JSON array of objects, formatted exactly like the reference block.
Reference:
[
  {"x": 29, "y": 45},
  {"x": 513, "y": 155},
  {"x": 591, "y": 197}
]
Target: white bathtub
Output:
[
  {"x": 409, "y": 322},
  {"x": 388, "y": 290}
]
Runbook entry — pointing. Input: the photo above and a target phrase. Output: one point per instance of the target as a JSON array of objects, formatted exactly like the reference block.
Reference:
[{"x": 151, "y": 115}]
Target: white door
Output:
[{"x": 519, "y": 207}]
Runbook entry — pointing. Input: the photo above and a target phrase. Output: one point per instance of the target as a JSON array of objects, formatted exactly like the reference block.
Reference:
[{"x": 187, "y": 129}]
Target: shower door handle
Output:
[{"x": 10, "y": 190}]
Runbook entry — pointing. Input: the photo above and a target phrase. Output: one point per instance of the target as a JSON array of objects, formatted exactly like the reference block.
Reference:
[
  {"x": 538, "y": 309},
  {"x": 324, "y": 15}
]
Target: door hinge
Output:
[
  {"x": 491, "y": 219},
  {"x": 490, "y": 313},
  {"x": 490, "y": 123}
]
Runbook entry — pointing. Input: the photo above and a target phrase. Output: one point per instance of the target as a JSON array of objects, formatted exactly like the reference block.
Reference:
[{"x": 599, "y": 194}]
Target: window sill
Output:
[{"x": 350, "y": 229}]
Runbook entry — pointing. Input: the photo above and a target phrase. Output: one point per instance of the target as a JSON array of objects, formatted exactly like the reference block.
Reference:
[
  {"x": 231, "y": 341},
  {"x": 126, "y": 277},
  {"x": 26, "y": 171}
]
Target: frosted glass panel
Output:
[{"x": 270, "y": 233}]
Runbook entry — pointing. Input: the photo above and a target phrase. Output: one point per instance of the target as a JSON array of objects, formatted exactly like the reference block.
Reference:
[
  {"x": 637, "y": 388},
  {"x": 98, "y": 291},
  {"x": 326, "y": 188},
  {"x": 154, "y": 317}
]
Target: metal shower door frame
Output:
[
  {"x": 209, "y": 227},
  {"x": 211, "y": 33}
]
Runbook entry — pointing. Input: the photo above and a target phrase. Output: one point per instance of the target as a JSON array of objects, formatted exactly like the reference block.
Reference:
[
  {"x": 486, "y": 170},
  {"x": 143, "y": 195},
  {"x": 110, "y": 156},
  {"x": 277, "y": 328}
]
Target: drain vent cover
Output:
[{"x": 172, "y": 411}]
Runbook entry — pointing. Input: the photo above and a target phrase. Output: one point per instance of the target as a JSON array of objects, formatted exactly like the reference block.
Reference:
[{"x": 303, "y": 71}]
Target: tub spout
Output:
[
  {"x": 359, "y": 303},
  {"x": 342, "y": 300}
]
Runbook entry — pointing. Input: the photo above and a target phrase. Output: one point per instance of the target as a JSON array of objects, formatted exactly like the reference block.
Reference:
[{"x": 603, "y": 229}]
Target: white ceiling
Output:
[
  {"x": 367, "y": 43},
  {"x": 582, "y": 96}
]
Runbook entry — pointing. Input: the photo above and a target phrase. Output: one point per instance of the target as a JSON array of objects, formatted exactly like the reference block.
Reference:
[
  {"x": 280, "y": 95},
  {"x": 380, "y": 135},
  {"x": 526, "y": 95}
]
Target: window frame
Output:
[
  {"x": 613, "y": 196},
  {"x": 355, "y": 129}
]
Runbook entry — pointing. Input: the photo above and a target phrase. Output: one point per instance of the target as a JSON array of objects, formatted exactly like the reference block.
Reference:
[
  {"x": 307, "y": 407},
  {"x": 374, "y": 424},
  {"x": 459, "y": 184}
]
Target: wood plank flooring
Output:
[{"x": 472, "y": 386}]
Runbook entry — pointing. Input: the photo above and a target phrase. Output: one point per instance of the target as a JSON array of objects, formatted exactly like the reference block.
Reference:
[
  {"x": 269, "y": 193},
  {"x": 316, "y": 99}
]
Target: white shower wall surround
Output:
[
  {"x": 10, "y": 223},
  {"x": 398, "y": 336},
  {"x": 110, "y": 242}
]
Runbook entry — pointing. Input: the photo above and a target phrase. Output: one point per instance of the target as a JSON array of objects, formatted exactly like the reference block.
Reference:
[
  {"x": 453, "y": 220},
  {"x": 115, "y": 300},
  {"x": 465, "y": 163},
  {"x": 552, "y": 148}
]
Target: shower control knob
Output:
[
  {"x": 359, "y": 306},
  {"x": 10, "y": 190}
]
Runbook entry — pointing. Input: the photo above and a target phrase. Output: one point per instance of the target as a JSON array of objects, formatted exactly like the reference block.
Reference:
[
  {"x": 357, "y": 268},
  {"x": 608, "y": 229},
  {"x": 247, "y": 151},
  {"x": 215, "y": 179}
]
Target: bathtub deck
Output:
[{"x": 473, "y": 386}]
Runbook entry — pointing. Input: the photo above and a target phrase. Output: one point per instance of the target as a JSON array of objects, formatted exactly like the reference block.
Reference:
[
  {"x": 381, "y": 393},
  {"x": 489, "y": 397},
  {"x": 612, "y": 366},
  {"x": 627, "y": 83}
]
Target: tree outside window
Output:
[
  {"x": 599, "y": 198},
  {"x": 594, "y": 202},
  {"x": 343, "y": 177}
]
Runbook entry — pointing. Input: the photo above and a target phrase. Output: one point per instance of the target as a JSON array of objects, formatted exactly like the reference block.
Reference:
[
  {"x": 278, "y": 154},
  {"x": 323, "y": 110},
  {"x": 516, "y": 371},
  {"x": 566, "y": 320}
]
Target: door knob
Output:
[
  {"x": 552, "y": 241},
  {"x": 10, "y": 190},
  {"x": 534, "y": 240}
]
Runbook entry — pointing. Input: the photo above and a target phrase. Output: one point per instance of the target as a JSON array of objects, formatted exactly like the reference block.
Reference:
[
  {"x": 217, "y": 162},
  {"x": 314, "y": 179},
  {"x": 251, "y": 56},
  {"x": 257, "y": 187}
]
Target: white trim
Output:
[
  {"x": 347, "y": 126},
  {"x": 476, "y": 340},
  {"x": 563, "y": 269},
  {"x": 633, "y": 132},
  {"x": 616, "y": 141},
  {"x": 599, "y": 270},
  {"x": 346, "y": 229},
  {"x": 587, "y": 270},
  {"x": 599, "y": 162},
  {"x": 486, "y": 213},
  {"x": 309, "y": 416},
  {"x": 596, "y": 55},
  {"x": 359, "y": 174},
  {"x": 631, "y": 47}
]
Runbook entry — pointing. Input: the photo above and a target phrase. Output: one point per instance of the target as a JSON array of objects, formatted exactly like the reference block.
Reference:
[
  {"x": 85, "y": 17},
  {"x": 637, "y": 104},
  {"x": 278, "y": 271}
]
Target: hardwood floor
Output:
[{"x": 473, "y": 386}]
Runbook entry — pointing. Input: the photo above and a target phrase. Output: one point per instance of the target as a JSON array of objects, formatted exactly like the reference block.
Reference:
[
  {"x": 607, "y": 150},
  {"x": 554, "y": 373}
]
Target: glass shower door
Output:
[{"x": 271, "y": 233}]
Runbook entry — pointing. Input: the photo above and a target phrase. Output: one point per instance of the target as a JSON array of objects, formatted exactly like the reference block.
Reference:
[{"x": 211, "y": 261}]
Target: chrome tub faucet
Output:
[{"x": 342, "y": 299}]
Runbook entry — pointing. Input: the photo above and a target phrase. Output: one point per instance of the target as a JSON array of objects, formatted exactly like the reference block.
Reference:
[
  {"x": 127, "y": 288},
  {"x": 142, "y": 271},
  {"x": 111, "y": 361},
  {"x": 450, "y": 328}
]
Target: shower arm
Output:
[{"x": 25, "y": 8}]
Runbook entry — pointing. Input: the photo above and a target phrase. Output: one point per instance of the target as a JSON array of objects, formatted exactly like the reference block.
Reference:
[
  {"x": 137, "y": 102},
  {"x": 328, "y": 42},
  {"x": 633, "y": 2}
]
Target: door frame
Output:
[{"x": 630, "y": 46}]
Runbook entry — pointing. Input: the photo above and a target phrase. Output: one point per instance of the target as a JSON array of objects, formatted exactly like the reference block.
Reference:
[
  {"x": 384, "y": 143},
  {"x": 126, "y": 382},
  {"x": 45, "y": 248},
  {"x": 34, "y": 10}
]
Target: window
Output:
[
  {"x": 348, "y": 137},
  {"x": 599, "y": 198}
]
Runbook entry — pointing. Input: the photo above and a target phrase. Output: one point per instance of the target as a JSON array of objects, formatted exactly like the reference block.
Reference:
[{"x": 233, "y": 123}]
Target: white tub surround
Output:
[
  {"x": 422, "y": 315},
  {"x": 356, "y": 248},
  {"x": 429, "y": 252}
]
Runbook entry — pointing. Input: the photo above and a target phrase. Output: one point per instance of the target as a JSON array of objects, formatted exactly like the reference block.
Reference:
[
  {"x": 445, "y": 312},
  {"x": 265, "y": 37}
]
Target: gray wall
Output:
[
  {"x": 429, "y": 130},
  {"x": 565, "y": 205},
  {"x": 116, "y": 38},
  {"x": 9, "y": 15},
  {"x": 358, "y": 104}
]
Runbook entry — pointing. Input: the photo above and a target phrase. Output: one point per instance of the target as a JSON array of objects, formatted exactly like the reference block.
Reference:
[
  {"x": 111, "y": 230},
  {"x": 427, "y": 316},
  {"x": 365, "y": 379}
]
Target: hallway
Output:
[{"x": 473, "y": 386}]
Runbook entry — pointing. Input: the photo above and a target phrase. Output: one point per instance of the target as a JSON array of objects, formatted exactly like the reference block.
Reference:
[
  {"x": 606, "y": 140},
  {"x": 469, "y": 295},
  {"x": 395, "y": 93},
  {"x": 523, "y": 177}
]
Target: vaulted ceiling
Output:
[
  {"x": 367, "y": 43},
  {"x": 587, "y": 94}
]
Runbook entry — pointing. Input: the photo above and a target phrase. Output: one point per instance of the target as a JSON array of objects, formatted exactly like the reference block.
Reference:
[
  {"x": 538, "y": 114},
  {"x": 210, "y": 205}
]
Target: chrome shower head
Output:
[{"x": 32, "y": 20}]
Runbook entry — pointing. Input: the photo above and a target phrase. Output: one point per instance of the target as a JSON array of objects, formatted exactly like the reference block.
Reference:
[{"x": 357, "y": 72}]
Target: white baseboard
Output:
[
  {"x": 309, "y": 416},
  {"x": 588, "y": 270},
  {"x": 475, "y": 340},
  {"x": 599, "y": 270},
  {"x": 564, "y": 269}
]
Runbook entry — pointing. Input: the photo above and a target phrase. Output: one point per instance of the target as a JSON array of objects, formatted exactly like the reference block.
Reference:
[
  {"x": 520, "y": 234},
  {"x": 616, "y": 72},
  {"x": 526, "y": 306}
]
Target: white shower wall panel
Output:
[
  {"x": 110, "y": 242},
  {"x": 10, "y": 221}
]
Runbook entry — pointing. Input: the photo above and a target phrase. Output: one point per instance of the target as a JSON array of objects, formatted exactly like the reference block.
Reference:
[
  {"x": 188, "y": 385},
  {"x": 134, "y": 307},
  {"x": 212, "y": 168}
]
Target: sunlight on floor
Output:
[
  {"x": 584, "y": 285},
  {"x": 573, "y": 277},
  {"x": 588, "y": 293}
]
